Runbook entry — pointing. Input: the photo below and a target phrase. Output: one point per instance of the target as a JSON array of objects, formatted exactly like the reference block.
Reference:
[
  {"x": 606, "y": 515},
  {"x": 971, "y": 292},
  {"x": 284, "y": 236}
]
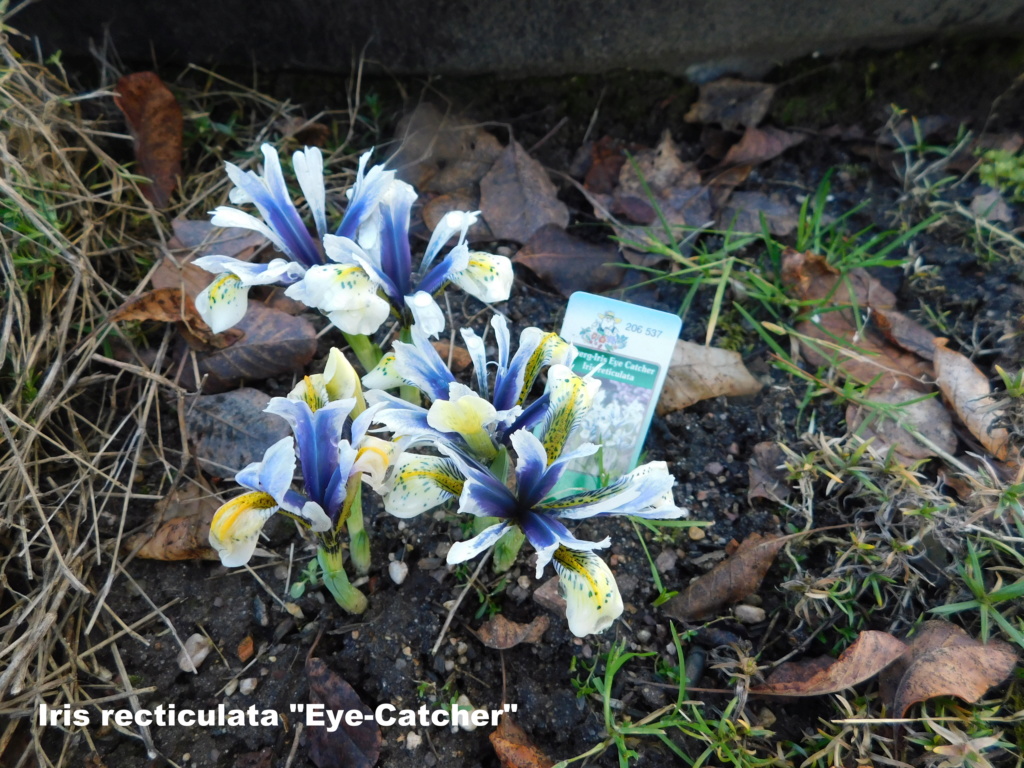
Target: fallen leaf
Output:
[
  {"x": 607, "y": 156},
  {"x": 570, "y": 264},
  {"x": 759, "y": 145},
  {"x": 767, "y": 473},
  {"x": 732, "y": 103},
  {"x": 459, "y": 355},
  {"x": 742, "y": 213},
  {"x": 863, "y": 354},
  {"x": 514, "y": 748},
  {"x": 180, "y": 526},
  {"x": 173, "y": 305},
  {"x": 967, "y": 389},
  {"x": 500, "y": 633},
  {"x": 697, "y": 373},
  {"x": 658, "y": 188},
  {"x": 943, "y": 660},
  {"x": 230, "y": 430},
  {"x": 517, "y": 198},
  {"x": 273, "y": 343},
  {"x": 925, "y": 418},
  {"x": 990, "y": 206},
  {"x": 348, "y": 746},
  {"x": 442, "y": 154},
  {"x": 155, "y": 121},
  {"x": 728, "y": 582},
  {"x": 870, "y": 654}
]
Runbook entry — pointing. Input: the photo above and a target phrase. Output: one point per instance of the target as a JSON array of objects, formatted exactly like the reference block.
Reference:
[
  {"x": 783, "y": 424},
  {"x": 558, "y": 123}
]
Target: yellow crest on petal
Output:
[
  {"x": 236, "y": 526},
  {"x": 591, "y": 595}
]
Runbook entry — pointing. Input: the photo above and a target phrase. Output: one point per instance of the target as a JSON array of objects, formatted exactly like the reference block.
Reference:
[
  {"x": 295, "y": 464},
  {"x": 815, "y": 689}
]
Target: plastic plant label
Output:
[{"x": 631, "y": 347}]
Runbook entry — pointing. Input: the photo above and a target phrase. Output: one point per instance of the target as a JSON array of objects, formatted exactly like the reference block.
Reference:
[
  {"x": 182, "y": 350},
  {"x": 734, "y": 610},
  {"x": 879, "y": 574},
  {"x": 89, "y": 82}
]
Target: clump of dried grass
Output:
[{"x": 76, "y": 425}]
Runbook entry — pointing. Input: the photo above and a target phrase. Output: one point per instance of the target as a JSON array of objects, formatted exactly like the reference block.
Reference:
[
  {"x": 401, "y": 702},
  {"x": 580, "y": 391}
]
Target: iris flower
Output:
[
  {"x": 531, "y": 503},
  {"x": 223, "y": 303},
  {"x": 477, "y": 423},
  {"x": 335, "y": 455},
  {"x": 406, "y": 293},
  {"x": 359, "y": 274}
]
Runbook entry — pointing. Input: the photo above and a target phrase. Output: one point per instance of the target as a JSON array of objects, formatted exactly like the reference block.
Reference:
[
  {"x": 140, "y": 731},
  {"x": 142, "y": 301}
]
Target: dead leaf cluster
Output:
[
  {"x": 855, "y": 328},
  {"x": 940, "y": 660}
]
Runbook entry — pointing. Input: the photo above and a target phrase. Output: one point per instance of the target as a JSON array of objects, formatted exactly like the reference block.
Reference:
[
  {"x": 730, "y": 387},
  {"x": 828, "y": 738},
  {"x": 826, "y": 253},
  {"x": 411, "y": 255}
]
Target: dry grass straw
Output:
[{"x": 82, "y": 443}]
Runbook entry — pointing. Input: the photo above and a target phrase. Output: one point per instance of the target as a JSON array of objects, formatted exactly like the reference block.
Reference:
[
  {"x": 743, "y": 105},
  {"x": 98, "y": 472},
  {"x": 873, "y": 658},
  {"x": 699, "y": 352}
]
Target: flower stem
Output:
[
  {"x": 366, "y": 351},
  {"x": 336, "y": 581},
  {"x": 359, "y": 539}
]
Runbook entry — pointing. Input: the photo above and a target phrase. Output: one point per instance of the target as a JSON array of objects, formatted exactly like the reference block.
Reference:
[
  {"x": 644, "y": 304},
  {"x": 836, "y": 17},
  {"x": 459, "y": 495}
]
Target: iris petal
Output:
[
  {"x": 591, "y": 595},
  {"x": 235, "y": 528},
  {"x": 486, "y": 277},
  {"x": 462, "y": 551},
  {"x": 222, "y": 304},
  {"x": 422, "y": 483}
]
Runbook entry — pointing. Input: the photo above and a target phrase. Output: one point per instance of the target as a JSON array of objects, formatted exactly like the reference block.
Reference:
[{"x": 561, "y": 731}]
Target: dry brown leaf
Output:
[
  {"x": 514, "y": 748},
  {"x": 743, "y": 211},
  {"x": 305, "y": 132},
  {"x": 442, "y": 154},
  {"x": 173, "y": 305},
  {"x": 500, "y": 633},
  {"x": 697, "y": 373},
  {"x": 273, "y": 343},
  {"x": 155, "y": 121},
  {"x": 870, "y": 654},
  {"x": 732, "y": 103},
  {"x": 607, "y": 156},
  {"x": 866, "y": 355},
  {"x": 728, "y": 582},
  {"x": 943, "y": 660},
  {"x": 348, "y": 746},
  {"x": 461, "y": 359},
  {"x": 180, "y": 528},
  {"x": 767, "y": 473},
  {"x": 967, "y": 389},
  {"x": 230, "y": 430},
  {"x": 657, "y": 178},
  {"x": 760, "y": 145},
  {"x": 517, "y": 198},
  {"x": 926, "y": 418},
  {"x": 570, "y": 264}
]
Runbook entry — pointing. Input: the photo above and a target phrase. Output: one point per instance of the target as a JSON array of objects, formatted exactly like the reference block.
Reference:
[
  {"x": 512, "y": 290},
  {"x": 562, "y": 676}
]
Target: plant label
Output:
[{"x": 630, "y": 347}]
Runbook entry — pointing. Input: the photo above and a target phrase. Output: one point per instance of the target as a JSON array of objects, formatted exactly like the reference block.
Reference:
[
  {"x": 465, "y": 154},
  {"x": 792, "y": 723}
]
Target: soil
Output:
[{"x": 385, "y": 654}]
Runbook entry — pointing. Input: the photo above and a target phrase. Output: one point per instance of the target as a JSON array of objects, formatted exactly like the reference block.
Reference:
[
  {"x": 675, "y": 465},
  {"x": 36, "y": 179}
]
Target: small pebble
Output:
[
  {"x": 449, "y": 665},
  {"x": 523, "y": 581},
  {"x": 461, "y": 649},
  {"x": 643, "y": 635},
  {"x": 413, "y": 741},
  {"x": 294, "y": 610},
  {"x": 666, "y": 561},
  {"x": 197, "y": 648},
  {"x": 230, "y": 688},
  {"x": 748, "y": 614},
  {"x": 713, "y": 468},
  {"x": 259, "y": 609},
  {"x": 398, "y": 570},
  {"x": 247, "y": 686},
  {"x": 696, "y": 533}
]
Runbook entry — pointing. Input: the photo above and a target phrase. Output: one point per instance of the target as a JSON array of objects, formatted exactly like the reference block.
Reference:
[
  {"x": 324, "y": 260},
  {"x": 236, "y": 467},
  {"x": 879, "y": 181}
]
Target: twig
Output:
[{"x": 458, "y": 602}]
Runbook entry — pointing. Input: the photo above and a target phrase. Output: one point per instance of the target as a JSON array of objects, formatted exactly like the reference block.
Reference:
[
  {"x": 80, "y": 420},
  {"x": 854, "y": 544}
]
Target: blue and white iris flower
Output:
[
  {"x": 361, "y": 273},
  {"x": 531, "y": 503},
  {"x": 406, "y": 293},
  {"x": 479, "y": 422},
  {"x": 335, "y": 454}
]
